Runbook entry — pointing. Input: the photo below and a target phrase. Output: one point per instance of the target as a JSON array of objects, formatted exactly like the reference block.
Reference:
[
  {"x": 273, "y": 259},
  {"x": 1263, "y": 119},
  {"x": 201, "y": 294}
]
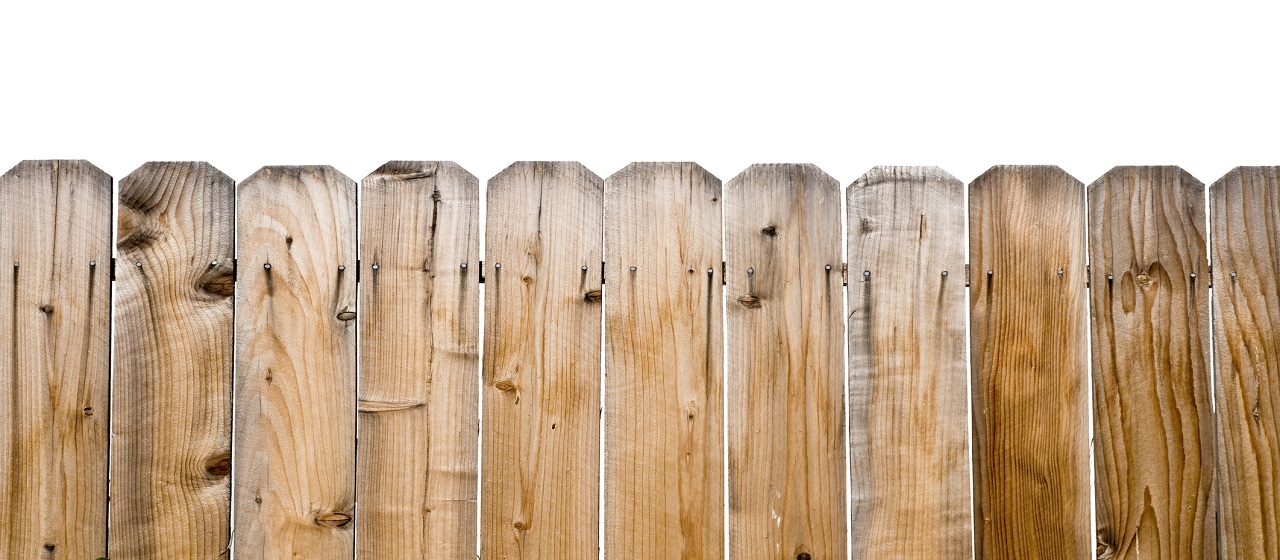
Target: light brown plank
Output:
[
  {"x": 1030, "y": 364},
  {"x": 908, "y": 386},
  {"x": 1244, "y": 213},
  {"x": 785, "y": 369},
  {"x": 419, "y": 336},
  {"x": 1153, "y": 422},
  {"x": 664, "y": 465},
  {"x": 295, "y": 364},
  {"x": 541, "y": 373},
  {"x": 171, "y": 402},
  {"x": 55, "y": 219}
]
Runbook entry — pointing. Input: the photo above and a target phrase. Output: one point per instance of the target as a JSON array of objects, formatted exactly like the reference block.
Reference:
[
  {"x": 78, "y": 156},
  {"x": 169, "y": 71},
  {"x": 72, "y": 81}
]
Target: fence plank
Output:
[
  {"x": 1030, "y": 364},
  {"x": 55, "y": 219},
  {"x": 541, "y": 373},
  {"x": 171, "y": 403},
  {"x": 908, "y": 391},
  {"x": 1153, "y": 424},
  {"x": 785, "y": 385},
  {"x": 295, "y": 364},
  {"x": 664, "y": 477},
  {"x": 419, "y": 332},
  {"x": 1245, "y": 208}
]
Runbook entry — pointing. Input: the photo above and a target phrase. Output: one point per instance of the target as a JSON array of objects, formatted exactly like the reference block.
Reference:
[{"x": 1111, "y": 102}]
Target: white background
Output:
[{"x": 843, "y": 85}]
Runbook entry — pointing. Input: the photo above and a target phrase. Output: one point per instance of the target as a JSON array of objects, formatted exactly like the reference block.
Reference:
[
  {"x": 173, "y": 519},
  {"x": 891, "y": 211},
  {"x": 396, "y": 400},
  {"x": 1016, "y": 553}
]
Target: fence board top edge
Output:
[
  {"x": 1235, "y": 177},
  {"x": 898, "y": 173},
  {"x": 1120, "y": 171},
  {"x": 526, "y": 166},
  {"x": 59, "y": 165},
  {"x": 999, "y": 173},
  {"x": 651, "y": 168},
  {"x": 404, "y": 170},
  {"x": 271, "y": 172},
  {"x": 191, "y": 166},
  {"x": 776, "y": 169}
]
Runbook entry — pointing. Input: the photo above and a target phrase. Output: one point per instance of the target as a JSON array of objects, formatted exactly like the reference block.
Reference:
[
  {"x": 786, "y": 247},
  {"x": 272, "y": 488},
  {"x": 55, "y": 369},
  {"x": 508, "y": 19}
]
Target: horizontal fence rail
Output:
[{"x": 652, "y": 365}]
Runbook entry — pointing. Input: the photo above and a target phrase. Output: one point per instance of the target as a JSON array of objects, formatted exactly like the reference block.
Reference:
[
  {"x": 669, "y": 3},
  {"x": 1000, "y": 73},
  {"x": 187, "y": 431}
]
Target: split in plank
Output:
[{"x": 419, "y": 330}]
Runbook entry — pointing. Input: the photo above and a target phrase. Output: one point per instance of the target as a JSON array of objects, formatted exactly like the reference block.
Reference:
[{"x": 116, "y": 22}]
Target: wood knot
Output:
[
  {"x": 49, "y": 547},
  {"x": 223, "y": 286},
  {"x": 504, "y": 385},
  {"x": 218, "y": 465},
  {"x": 333, "y": 519},
  {"x": 594, "y": 296},
  {"x": 46, "y": 308},
  {"x": 749, "y": 302},
  {"x": 769, "y": 230},
  {"x": 526, "y": 279},
  {"x": 88, "y": 411},
  {"x": 520, "y": 525},
  {"x": 1144, "y": 279},
  {"x": 803, "y": 556},
  {"x": 346, "y": 315}
]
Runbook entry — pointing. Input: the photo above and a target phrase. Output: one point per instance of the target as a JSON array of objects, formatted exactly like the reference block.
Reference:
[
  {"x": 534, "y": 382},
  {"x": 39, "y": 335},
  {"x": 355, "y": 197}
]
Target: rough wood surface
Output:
[
  {"x": 541, "y": 373},
  {"x": 171, "y": 402},
  {"x": 1244, "y": 213},
  {"x": 55, "y": 218},
  {"x": 1153, "y": 422},
  {"x": 294, "y": 456},
  {"x": 908, "y": 387},
  {"x": 419, "y": 334},
  {"x": 1030, "y": 364},
  {"x": 664, "y": 456},
  {"x": 785, "y": 369}
]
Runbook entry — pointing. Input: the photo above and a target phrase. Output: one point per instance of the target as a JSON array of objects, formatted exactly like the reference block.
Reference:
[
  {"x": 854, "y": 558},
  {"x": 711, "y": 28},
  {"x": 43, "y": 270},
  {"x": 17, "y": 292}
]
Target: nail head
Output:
[
  {"x": 497, "y": 265},
  {"x": 866, "y": 273},
  {"x": 342, "y": 267},
  {"x": 1233, "y": 275},
  {"x": 828, "y": 267},
  {"x": 584, "y": 268},
  {"x": 633, "y": 269},
  {"x": 1059, "y": 272},
  {"x": 267, "y": 266},
  {"x": 139, "y": 264},
  {"x": 375, "y": 266},
  {"x": 1193, "y": 275},
  {"x": 944, "y": 273},
  {"x": 93, "y": 263},
  {"x": 751, "y": 271},
  {"x": 1110, "y": 277},
  {"x": 464, "y": 265}
]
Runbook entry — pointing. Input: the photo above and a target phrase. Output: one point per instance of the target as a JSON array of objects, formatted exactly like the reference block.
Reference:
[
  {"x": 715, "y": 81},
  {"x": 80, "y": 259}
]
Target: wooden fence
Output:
[{"x": 663, "y": 368}]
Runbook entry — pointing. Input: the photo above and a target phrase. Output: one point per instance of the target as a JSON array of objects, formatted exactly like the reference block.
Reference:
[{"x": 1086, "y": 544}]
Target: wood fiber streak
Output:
[
  {"x": 541, "y": 373},
  {"x": 785, "y": 369},
  {"x": 1153, "y": 422},
  {"x": 55, "y": 217},
  {"x": 908, "y": 387},
  {"x": 419, "y": 333},
  {"x": 1030, "y": 365},
  {"x": 171, "y": 403},
  {"x": 294, "y": 457},
  {"x": 1244, "y": 213},
  {"x": 664, "y": 454}
]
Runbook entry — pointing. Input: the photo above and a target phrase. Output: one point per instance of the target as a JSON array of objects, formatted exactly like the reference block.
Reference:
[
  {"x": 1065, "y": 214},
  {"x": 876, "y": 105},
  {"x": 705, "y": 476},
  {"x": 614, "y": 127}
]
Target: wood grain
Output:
[
  {"x": 294, "y": 456},
  {"x": 785, "y": 369},
  {"x": 171, "y": 402},
  {"x": 664, "y": 454},
  {"x": 1030, "y": 364},
  {"x": 541, "y": 373},
  {"x": 908, "y": 385},
  {"x": 419, "y": 335},
  {"x": 1153, "y": 422},
  {"x": 55, "y": 218},
  {"x": 1244, "y": 211}
]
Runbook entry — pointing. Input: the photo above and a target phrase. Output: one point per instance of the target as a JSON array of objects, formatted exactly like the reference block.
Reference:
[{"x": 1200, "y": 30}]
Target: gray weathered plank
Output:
[{"x": 908, "y": 391}]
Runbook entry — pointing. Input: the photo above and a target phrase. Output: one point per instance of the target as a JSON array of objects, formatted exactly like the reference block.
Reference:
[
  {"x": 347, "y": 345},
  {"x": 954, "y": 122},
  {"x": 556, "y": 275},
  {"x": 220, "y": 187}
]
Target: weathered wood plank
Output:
[
  {"x": 785, "y": 369},
  {"x": 1030, "y": 364},
  {"x": 908, "y": 387},
  {"x": 419, "y": 335},
  {"x": 664, "y": 465},
  {"x": 1153, "y": 422},
  {"x": 1244, "y": 213},
  {"x": 55, "y": 220},
  {"x": 171, "y": 402},
  {"x": 541, "y": 373},
  {"x": 295, "y": 364}
]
